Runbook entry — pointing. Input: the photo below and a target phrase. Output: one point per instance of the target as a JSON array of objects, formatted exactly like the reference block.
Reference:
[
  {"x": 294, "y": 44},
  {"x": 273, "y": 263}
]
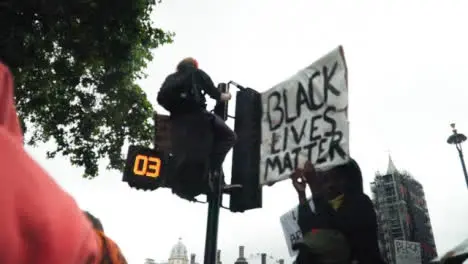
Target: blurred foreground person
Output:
[
  {"x": 459, "y": 259},
  {"x": 198, "y": 136},
  {"x": 39, "y": 223},
  {"x": 343, "y": 226},
  {"x": 109, "y": 251}
]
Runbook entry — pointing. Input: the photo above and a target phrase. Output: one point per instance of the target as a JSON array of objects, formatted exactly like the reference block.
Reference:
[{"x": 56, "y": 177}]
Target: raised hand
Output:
[
  {"x": 299, "y": 181},
  {"x": 225, "y": 97},
  {"x": 310, "y": 175}
]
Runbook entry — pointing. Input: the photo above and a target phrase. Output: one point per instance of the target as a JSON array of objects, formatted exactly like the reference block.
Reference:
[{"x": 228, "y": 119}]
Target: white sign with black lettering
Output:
[
  {"x": 292, "y": 232},
  {"x": 305, "y": 118},
  {"x": 407, "y": 252}
]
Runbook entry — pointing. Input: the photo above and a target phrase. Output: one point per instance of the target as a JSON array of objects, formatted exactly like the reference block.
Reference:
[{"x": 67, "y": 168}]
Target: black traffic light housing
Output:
[
  {"x": 246, "y": 152},
  {"x": 221, "y": 108},
  {"x": 144, "y": 168}
]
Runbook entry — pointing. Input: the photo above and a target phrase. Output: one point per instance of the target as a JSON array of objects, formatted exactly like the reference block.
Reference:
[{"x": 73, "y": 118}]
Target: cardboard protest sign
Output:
[
  {"x": 407, "y": 252},
  {"x": 305, "y": 118},
  {"x": 292, "y": 232}
]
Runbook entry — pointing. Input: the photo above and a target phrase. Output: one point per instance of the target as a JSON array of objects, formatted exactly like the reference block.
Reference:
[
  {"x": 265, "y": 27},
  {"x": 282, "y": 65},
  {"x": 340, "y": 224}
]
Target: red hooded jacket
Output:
[{"x": 40, "y": 223}]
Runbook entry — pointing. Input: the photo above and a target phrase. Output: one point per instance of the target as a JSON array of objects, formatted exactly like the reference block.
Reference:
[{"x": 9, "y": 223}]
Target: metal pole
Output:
[
  {"x": 215, "y": 198},
  {"x": 211, "y": 240},
  {"x": 462, "y": 160},
  {"x": 457, "y": 139}
]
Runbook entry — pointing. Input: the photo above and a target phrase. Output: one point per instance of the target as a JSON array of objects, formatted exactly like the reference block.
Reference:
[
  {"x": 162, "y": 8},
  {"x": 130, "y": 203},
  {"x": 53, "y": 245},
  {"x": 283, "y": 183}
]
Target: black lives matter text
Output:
[{"x": 306, "y": 127}]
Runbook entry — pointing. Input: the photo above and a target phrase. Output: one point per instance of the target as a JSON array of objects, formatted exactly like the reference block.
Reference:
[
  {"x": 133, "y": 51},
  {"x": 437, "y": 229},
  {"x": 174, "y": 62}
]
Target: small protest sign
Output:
[
  {"x": 305, "y": 118},
  {"x": 407, "y": 252},
  {"x": 292, "y": 232}
]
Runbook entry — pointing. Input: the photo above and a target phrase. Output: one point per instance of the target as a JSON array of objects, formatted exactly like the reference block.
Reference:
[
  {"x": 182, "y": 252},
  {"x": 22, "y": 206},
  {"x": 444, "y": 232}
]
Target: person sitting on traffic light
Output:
[
  {"x": 109, "y": 251},
  {"x": 340, "y": 204},
  {"x": 193, "y": 128}
]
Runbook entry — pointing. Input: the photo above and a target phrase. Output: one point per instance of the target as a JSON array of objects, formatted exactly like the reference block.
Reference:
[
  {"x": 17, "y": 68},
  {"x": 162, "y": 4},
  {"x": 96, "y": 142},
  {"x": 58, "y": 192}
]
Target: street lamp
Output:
[{"x": 456, "y": 139}]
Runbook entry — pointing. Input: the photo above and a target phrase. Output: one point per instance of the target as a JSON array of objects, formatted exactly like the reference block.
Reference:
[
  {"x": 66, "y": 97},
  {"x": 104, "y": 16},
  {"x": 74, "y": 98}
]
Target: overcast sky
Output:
[{"x": 407, "y": 61}]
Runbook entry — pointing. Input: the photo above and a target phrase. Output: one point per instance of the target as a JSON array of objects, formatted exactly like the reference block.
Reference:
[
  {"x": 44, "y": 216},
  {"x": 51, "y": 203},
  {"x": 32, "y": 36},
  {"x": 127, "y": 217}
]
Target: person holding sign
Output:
[
  {"x": 322, "y": 241},
  {"x": 343, "y": 216}
]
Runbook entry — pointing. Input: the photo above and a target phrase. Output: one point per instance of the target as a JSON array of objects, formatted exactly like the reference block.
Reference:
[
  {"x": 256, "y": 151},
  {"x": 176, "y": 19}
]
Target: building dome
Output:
[{"x": 179, "y": 251}]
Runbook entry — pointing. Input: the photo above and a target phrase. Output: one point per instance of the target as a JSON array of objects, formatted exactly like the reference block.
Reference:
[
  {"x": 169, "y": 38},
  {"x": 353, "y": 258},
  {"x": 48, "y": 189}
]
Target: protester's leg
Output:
[
  {"x": 191, "y": 141},
  {"x": 224, "y": 140}
]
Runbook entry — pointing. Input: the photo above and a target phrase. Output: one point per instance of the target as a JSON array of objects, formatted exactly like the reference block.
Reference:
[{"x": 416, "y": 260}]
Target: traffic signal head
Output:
[
  {"x": 246, "y": 152},
  {"x": 162, "y": 133},
  {"x": 221, "y": 108}
]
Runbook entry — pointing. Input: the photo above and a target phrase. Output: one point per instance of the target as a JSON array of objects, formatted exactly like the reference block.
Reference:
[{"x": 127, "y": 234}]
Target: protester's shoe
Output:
[{"x": 228, "y": 188}]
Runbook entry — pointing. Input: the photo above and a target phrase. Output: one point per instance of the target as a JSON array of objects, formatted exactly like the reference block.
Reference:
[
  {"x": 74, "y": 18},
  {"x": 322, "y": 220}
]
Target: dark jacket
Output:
[
  {"x": 460, "y": 259},
  {"x": 355, "y": 218},
  {"x": 192, "y": 84}
]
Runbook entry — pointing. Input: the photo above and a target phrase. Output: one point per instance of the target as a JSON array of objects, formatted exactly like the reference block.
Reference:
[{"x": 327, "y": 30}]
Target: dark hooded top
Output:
[{"x": 356, "y": 217}]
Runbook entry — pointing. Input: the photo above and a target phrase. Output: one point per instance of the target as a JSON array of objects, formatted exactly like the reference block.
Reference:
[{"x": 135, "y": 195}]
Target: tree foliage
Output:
[{"x": 76, "y": 64}]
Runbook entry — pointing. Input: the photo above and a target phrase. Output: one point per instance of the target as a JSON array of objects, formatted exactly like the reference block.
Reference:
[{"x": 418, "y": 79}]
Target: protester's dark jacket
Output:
[
  {"x": 460, "y": 259},
  {"x": 307, "y": 221},
  {"x": 196, "y": 82},
  {"x": 357, "y": 220}
]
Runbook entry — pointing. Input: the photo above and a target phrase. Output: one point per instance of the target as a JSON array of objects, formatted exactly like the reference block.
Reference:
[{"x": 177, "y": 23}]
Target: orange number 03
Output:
[{"x": 150, "y": 166}]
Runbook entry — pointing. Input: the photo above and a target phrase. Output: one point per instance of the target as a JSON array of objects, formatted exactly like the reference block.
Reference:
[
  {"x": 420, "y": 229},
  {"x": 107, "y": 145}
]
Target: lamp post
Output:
[{"x": 456, "y": 139}]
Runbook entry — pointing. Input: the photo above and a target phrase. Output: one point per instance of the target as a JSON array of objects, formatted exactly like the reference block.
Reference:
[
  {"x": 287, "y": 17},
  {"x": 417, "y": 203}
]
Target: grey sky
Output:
[{"x": 407, "y": 65}]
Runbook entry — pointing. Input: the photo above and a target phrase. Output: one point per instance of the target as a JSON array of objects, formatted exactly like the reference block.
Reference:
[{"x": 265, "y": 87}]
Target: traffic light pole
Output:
[
  {"x": 215, "y": 196},
  {"x": 214, "y": 204}
]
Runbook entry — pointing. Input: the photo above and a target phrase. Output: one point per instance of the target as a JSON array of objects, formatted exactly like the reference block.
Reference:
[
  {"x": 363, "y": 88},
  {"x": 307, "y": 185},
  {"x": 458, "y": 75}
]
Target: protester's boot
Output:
[
  {"x": 225, "y": 188},
  {"x": 228, "y": 188}
]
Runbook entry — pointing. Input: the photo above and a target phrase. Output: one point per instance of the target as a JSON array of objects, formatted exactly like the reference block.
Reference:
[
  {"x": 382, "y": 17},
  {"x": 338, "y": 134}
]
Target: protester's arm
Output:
[
  {"x": 302, "y": 197},
  {"x": 165, "y": 87},
  {"x": 40, "y": 222},
  {"x": 207, "y": 84},
  {"x": 460, "y": 259},
  {"x": 304, "y": 214}
]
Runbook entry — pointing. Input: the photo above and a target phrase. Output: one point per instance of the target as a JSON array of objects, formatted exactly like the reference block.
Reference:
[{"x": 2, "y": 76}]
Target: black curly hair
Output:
[{"x": 353, "y": 176}]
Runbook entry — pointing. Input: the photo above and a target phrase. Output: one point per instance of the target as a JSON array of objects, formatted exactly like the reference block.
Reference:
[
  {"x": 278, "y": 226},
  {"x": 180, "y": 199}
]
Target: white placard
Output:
[
  {"x": 407, "y": 252},
  {"x": 305, "y": 118},
  {"x": 292, "y": 232}
]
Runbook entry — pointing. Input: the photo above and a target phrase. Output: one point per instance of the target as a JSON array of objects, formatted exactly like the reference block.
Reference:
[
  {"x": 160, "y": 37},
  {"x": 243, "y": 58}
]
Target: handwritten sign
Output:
[
  {"x": 407, "y": 252},
  {"x": 292, "y": 232},
  {"x": 305, "y": 118}
]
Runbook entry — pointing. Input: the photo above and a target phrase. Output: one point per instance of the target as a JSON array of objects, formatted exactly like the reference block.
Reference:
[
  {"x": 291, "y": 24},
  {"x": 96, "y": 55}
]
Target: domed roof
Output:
[{"x": 179, "y": 251}]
